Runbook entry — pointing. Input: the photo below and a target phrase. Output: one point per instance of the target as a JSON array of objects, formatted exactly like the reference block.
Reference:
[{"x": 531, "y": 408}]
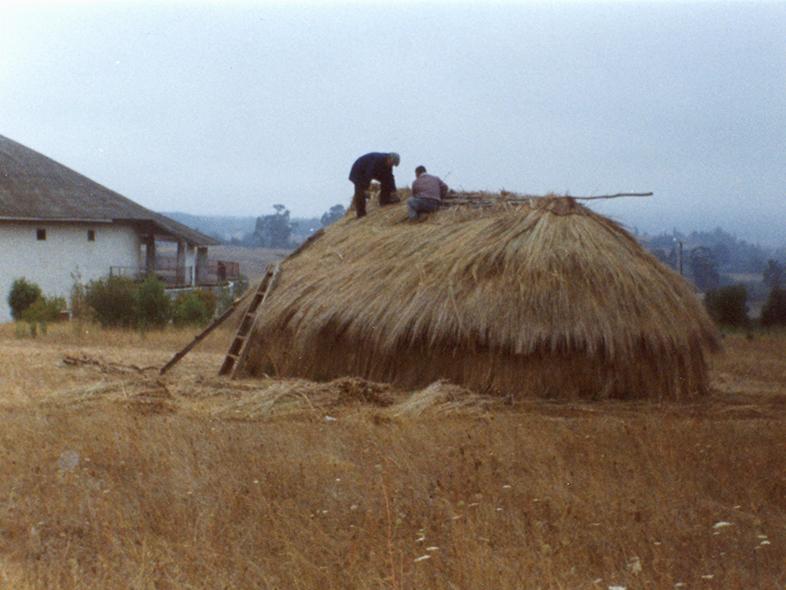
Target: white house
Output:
[{"x": 56, "y": 224}]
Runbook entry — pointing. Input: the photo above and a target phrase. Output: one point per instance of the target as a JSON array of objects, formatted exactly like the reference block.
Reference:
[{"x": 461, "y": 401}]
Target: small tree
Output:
[
  {"x": 273, "y": 231},
  {"x": 728, "y": 305},
  {"x": 335, "y": 213},
  {"x": 22, "y": 295},
  {"x": 195, "y": 308},
  {"x": 80, "y": 309},
  {"x": 152, "y": 305},
  {"x": 210, "y": 300},
  {"x": 774, "y": 311},
  {"x": 704, "y": 268},
  {"x": 43, "y": 311},
  {"x": 113, "y": 299}
]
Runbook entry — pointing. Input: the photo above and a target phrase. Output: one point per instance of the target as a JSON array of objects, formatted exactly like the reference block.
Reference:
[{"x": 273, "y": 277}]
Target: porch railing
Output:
[
  {"x": 176, "y": 277},
  {"x": 217, "y": 272}
]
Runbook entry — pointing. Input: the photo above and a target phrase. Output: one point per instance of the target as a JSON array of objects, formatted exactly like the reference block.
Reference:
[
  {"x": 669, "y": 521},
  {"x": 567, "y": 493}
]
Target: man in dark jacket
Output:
[{"x": 374, "y": 166}]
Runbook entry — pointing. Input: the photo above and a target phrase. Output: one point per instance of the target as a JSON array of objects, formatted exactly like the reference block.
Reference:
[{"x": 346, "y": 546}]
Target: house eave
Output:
[{"x": 56, "y": 219}]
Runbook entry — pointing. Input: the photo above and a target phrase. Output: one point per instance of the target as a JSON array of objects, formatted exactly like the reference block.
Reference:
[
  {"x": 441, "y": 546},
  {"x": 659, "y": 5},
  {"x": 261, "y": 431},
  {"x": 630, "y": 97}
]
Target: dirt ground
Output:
[{"x": 117, "y": 477}]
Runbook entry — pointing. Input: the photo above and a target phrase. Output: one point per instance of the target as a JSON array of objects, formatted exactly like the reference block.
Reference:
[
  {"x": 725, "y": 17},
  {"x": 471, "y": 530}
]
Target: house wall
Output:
[{"x": 66, "y": 250}]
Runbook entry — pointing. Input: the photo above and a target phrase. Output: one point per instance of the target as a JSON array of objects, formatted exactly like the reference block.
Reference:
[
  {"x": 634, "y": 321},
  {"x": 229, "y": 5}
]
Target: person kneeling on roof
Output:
[
  {"x": 374, "y": 166},
  {"x": 427, "y": 193}
]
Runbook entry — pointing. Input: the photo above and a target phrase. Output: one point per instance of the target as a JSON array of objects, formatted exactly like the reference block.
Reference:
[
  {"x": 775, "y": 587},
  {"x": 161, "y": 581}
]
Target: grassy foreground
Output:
[{"x": 113, "y": 478}]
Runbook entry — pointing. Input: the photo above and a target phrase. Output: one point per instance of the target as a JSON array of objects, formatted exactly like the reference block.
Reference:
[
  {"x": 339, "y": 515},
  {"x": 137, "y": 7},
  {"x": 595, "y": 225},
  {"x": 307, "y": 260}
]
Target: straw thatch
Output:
[{"x": 542, "y": 298}]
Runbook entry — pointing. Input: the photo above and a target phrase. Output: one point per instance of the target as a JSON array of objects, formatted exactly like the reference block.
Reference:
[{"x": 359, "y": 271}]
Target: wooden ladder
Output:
[
  {"x": 202, "y": 335},
  {"x": 239, "y": 348}
]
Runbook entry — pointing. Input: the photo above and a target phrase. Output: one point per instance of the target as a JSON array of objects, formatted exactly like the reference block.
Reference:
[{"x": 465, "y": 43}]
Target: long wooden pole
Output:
[
  {"x": 614, "y": 196},
  {"x": 489, "y": 199}
]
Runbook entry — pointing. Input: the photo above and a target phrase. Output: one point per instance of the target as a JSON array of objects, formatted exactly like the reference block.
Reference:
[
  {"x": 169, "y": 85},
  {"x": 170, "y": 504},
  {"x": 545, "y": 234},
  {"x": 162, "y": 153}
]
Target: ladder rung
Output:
[{"x": 238, "y": 348}]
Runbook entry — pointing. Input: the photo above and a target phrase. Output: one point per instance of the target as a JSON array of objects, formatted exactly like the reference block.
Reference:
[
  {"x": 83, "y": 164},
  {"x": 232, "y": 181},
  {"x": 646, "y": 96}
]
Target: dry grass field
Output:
[{"x": 115, "y": 478}]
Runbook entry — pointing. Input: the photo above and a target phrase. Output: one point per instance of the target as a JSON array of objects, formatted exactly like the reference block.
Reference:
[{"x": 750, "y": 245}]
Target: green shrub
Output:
[
  {"x": 225, "y": 299},
  {"x": 120, "y": 302},
  {"x": 23, "y": 294},
  {"x": 113, "y": 299},
  {"x": 153, "y": 306},
  {"x": 80, "y": 309},
  {"x": 728, "y": 305},
  {"x": 209, "y": 299},
  {"x": 195, "y": 308},
  {"x": 774, "y": 311},
  {"x": 43, "y": 311}
]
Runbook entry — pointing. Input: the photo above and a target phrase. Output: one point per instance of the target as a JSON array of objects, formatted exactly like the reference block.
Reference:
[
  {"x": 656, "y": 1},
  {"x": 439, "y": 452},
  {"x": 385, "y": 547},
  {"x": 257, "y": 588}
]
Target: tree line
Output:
[
  {"x": 717, "y": 258},
  {"x": 279, "y": 230}
]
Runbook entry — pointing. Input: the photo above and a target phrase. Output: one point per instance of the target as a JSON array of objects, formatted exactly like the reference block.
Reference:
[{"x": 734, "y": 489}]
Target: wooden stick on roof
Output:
[
  {"x": 483, "y": 199},
  {"x": 614, "y": 196}
]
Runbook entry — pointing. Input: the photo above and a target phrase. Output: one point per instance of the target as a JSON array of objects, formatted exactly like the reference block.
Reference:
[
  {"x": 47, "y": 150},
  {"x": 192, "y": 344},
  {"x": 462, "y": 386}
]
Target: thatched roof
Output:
[
  {"x": 36, "y": 188},
  {"x": 487, "y": 297}
]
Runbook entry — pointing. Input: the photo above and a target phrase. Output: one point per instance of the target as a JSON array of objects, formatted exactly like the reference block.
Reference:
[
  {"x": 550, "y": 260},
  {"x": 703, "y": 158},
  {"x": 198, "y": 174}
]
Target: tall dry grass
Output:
[
  {"x": 84, "y": 334},
  {"x": 115, "y": 494}
]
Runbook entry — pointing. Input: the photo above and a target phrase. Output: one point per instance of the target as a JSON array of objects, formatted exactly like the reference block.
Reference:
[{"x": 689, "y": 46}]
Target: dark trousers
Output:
[
  {"x": 385, "y": 193},
  {"x": 359, "y": 199},
  {"x": 417, "y": 205}
]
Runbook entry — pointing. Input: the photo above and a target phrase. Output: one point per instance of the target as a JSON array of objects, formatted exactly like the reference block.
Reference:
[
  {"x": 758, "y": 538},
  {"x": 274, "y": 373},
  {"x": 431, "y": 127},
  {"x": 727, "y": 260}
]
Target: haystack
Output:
[{"x": 543, "y": 298}]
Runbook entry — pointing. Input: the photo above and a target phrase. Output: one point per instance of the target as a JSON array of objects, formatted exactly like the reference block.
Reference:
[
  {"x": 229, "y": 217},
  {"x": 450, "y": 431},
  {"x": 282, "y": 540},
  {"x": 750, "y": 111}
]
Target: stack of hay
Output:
[{"x": 539, "y": 298}]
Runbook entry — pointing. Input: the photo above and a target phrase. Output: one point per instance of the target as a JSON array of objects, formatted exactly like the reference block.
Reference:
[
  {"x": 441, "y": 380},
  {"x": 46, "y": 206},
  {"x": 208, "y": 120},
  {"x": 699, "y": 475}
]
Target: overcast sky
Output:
[{"x": 228, "y": 108}]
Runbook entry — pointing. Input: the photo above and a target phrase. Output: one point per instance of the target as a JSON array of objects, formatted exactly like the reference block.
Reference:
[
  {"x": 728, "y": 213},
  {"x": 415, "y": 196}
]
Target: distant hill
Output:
[
  {"x": 221, "y": 227},
  {"x": 227, "y": 229}
]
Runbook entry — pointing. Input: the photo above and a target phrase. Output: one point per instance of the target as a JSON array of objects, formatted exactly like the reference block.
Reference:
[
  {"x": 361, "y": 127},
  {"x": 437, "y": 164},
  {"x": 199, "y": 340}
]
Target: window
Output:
[
  {"x": 40, "y": 234},
  {"x": 91, "y": 235}
]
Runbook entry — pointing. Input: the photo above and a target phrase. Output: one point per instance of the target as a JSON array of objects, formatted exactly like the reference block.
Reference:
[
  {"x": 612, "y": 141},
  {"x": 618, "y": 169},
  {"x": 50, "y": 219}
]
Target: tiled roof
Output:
[{"x": 33, "y": 186}]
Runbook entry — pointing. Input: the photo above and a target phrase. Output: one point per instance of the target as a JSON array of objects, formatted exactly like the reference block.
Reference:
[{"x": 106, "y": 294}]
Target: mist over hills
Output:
[
  {"x": 233, "y": 229},
  {"x": 747, "y": 221},
  {"x": 771, "y": 240},
  {"x": 222, "y": 227}
]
